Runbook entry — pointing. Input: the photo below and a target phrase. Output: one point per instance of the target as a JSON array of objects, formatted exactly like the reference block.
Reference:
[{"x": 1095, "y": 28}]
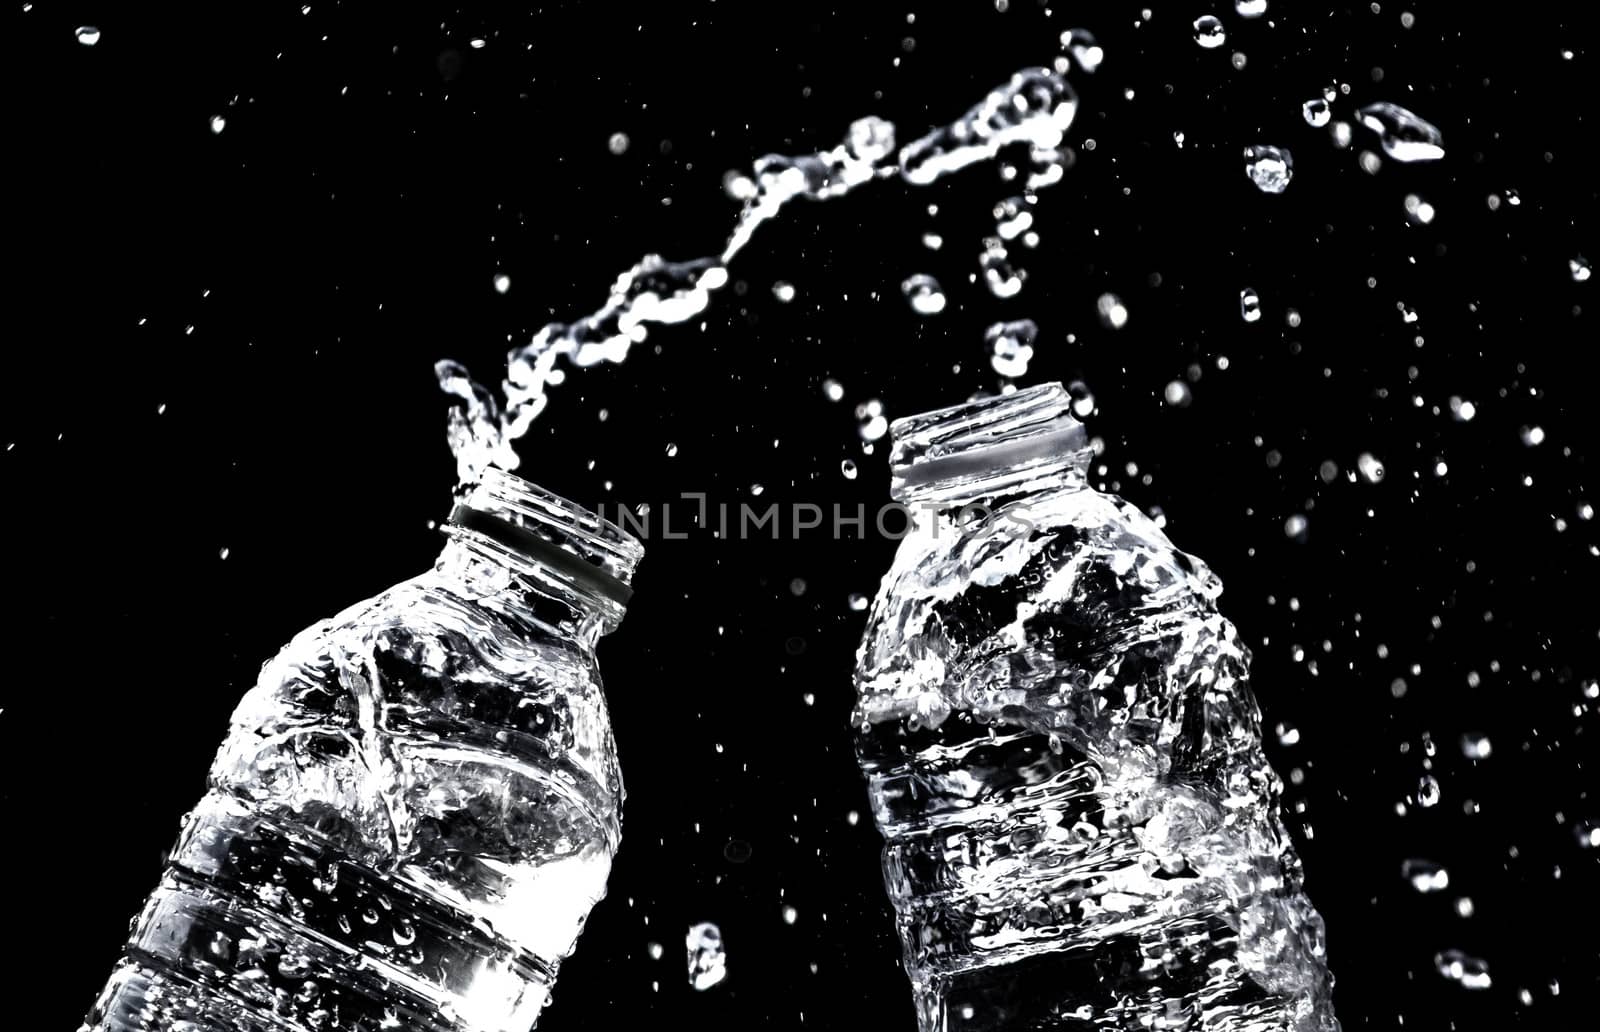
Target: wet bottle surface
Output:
[
  {"x": 1064, "y": 755},
  {"x": 415, "y": 807}
]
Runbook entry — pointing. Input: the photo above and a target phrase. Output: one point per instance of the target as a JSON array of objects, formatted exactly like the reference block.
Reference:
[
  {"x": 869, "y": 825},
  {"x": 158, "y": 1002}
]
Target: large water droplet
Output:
[
  {"x": 1425, "y": 875},
  {"x": 1010, "y": 346},
  {"x": 708, "y": 962},
  {"x": 924, "y": 294},
  {"x": 1208, "y": 32},
  {"x": 1113, "y": 315},
  {"x": 1403, "y": 135},
  {"x": 1270, "y": 168},
  {"x": 1316, "y": 112},
  {"x": 1469, "y": 971},
  {"x": 1249, "y": 305}
]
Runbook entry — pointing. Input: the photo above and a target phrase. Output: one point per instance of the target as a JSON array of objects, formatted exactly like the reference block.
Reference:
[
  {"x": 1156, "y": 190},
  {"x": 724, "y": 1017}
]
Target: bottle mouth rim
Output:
[{"x": 573, "y": 542}]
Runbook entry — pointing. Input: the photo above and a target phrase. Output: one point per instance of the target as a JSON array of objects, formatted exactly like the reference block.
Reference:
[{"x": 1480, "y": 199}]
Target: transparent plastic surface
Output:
[{"x": 1064, "y": 755}]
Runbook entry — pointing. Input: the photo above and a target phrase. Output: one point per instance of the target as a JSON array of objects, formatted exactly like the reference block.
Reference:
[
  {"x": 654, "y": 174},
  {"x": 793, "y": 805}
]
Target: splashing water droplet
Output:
[
  {"x": 1425, "y": 875},
  {"x": 870, "y": 420},
  {"x": 88, "y": 35},
  {"x": 1316, "y": 112},
  {"x": 1403, "y": 135},
  {"x": 1468, "y": 971},
  {"x": 1177, "y": 394},
  {"x": 1208, "y": 31},
  {"x": 1010, "y": 346},
  {"x": 924, "y": 294},
  {"x": 1270, "y": 168},
  {"x": 1113, "y": 315},
  {"x": 708, "y": 961},
  {"x": 1035, "y": 106},
  {"x": 1249, "y": 305},
  {"x": 1418, "y": 211},
  {"x": 1083, "y": 48},
  {"x": 1002, "y": 278}
]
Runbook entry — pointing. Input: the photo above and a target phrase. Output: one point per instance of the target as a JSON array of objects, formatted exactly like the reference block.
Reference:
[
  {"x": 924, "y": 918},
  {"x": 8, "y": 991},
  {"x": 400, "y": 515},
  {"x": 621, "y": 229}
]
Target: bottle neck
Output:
[
  {"x": 538, "y": 558},
  {"x": 1006, "y": 446}
]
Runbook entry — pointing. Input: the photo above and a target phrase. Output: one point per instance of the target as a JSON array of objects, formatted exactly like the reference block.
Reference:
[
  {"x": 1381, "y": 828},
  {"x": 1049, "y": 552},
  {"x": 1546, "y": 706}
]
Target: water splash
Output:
[{"x": 1035, "y": 108}]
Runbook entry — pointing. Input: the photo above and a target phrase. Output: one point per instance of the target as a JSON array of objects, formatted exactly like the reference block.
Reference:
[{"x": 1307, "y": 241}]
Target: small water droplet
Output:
[
  {"x": 857, "y": 602},
  {"x": 672, "y": 450},
  {"x": 1010, "y": 346},
  {"x": 1428, "y": 790},
  {"x": 222, "y": 553},
  {"x": 870, "y": 420},
  {"x": 1369, "y": 467},
  {"x": 502, "y": 283},
  {"x": 88, "y": 35},
  {"x": 1177, "y": 394},
  {"x": 790, "y": 915},
  {"x": 1468, "y": 971},
  {"x": 1475, "y": 746},
  {"x": 1250, "y": 8},
  {"x": 1532, "y": 436},
  {"x": 1579, "y": 267},
  {"x": 1317, "y": 112},
  {"x": 848, "y": 468},
  {"x": 1295, "y": 527},
  {"x": 1287, "y": 734},
  {"x": 218, "y": 123},
  {"x": 783, "y": 291},
  {"x": 618, "y": 143},
  {"x": 708, "y": 961},
  {"x": 1418, "y": 211},
  {"x": 1083, "y": 48},
  {"x": 832, "y": 389}
]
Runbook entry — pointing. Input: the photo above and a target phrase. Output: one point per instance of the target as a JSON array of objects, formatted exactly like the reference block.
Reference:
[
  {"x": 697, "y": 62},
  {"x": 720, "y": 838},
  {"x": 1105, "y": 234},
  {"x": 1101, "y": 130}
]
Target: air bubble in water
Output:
[
  {"x": 88, "y": 35},
  {"x": 1403, "y": 135},
  {"x": 1425, "y": 875},
  {"x": 924, "y": 294},
  {"x": 1113, "y": 315},
  {"x": 1250, "y": 8},
  {"x": 1270, "y": 168},
  {"x": 1010, "y": 346},
  {"x": 1177, "y": 394},
  {"x": 870, "y": 420},
  {"x": 1208, "y": 32},
  {"x": 1369, "y": 467},
  {"x": 708, "y": 963},
  {"x": 1083, "y": 48},
  {"x": 1469, "y": 971},
  {"x": 1579, "y": 267},
  {"x": 1316, "y": 112},
  {"x": 1249, "y": 305},
  {"x": 502, "y": 283},
  {"x": 618, "y": 144}
]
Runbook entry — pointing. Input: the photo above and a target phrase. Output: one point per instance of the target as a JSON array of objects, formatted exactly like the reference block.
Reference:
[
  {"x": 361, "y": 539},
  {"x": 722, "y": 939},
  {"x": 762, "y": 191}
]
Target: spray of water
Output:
[{"x": 1035, "y": 107}]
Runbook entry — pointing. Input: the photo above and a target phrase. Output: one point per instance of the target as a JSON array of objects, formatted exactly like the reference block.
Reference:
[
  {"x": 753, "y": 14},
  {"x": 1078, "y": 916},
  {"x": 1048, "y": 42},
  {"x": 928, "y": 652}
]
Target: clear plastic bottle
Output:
[
  {"x": 415, "y": 807},
  {"x": 1064, "y": 756}
]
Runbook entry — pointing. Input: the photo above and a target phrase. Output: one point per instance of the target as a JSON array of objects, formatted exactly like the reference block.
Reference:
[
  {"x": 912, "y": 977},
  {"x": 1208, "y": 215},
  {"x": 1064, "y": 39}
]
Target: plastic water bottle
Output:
[
  {"x": 1064, "y": 755},
  {"x": 415, "y": 807}
]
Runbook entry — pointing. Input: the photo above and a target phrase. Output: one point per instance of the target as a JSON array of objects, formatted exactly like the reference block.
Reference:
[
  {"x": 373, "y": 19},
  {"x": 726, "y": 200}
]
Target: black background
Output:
[{"x": 284, "y": 286}]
